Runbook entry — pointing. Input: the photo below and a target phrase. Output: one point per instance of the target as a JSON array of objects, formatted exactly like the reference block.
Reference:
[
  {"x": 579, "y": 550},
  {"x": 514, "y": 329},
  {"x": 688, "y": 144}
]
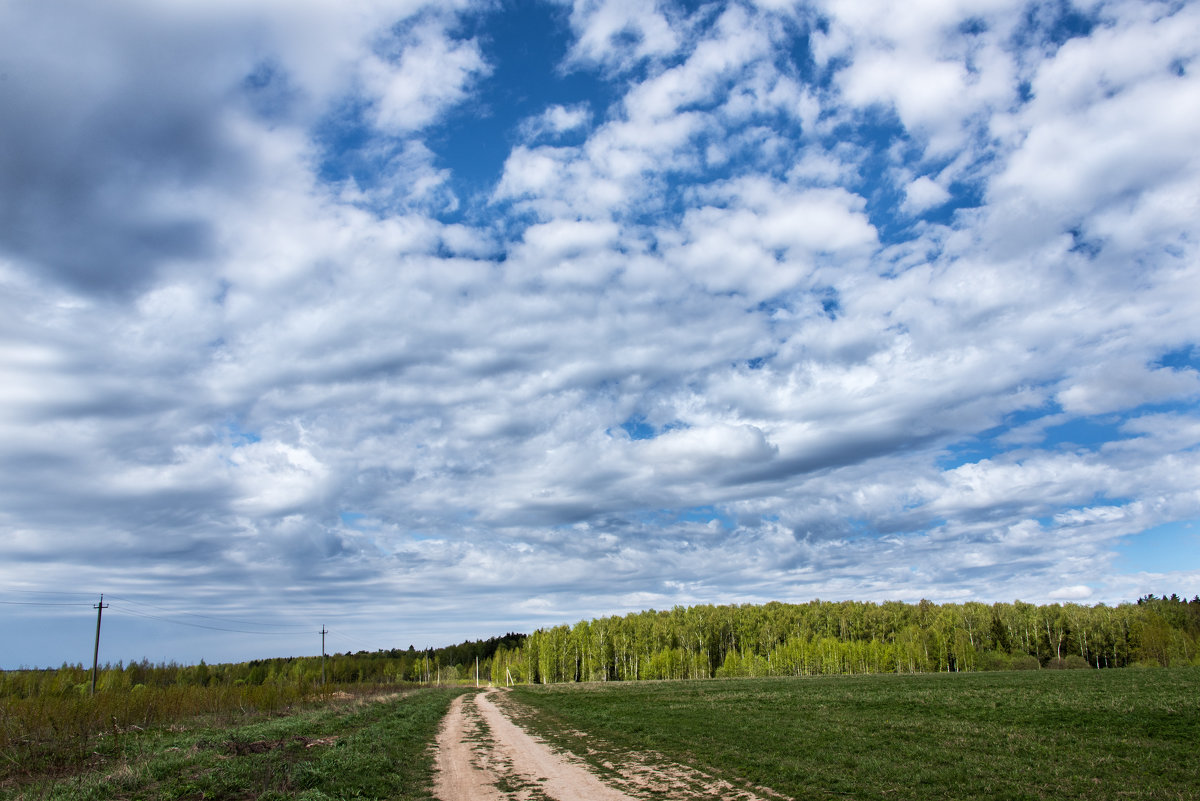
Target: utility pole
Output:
[
  {"x": 100, "y": 607},
  {"x": 476, "y": 673},
  {"x": 323, "y": 633}
]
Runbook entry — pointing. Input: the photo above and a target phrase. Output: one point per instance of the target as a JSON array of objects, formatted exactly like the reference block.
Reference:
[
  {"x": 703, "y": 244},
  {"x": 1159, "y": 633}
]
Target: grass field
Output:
[
  {"x": 349, "y": 748},
  {"x": 1115, "y": 734}
]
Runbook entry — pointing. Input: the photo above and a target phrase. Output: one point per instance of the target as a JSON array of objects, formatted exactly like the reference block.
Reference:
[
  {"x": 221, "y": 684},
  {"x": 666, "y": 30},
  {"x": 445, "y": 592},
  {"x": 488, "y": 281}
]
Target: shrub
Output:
[{"x": 995, "y": 660}]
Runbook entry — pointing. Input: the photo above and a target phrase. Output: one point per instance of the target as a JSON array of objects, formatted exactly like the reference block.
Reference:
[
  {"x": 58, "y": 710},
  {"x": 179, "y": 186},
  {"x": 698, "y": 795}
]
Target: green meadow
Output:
[
  {"x": 340, "y": 745},
  {"x": 1038, "y": 734},
  {"x": 1098, "y": 734}
]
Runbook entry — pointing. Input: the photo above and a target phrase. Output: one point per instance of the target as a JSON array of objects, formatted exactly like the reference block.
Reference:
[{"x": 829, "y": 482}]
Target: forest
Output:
[
  {"x": 708, "y": 641},
  {"x": 385, "y": 666},
  {"x": 851, "y": 637}
]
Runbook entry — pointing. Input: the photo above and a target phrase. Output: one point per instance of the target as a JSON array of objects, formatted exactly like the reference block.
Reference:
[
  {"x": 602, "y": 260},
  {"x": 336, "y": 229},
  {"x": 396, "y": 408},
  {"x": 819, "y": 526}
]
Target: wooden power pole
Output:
[
  {"x": 100, "y": 607},
  {"x": 323, "y": 633}
]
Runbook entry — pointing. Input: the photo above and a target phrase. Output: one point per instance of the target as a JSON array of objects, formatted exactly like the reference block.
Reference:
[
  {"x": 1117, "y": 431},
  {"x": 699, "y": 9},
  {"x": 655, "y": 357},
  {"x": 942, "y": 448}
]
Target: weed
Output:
[{"x": 335, "y": 749}]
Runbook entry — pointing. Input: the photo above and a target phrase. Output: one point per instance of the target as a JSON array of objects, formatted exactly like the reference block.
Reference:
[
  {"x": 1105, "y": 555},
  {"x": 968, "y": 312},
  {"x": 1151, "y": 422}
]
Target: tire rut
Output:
[{"x": 482, "y": 755}]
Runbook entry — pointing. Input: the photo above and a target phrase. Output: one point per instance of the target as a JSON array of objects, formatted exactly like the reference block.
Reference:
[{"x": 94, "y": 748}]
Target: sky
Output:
[{"x": 430, "y": 321}]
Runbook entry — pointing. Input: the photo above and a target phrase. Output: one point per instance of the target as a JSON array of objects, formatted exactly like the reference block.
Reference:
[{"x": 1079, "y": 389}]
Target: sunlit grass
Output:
[
  {"x": 353, "y": 742},
  {"x": 1044, "y": 734},
  {"x": 53, "y": 731}
]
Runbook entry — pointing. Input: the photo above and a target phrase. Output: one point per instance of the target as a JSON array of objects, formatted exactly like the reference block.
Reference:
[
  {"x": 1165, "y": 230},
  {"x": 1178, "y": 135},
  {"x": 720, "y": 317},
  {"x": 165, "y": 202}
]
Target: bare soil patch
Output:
[
  {"x": 462, "y": 771},
  {"x": 484, "y": 756}
]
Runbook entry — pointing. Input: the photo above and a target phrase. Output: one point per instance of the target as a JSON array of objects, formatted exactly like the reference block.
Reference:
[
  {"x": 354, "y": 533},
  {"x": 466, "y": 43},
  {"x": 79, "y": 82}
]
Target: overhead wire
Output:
[
  {"x": 123, "y": 607},
  {"x": 50, "y": 592},
  {"x": 295, "y": 626},
  {"x": 147, "y": 615},
  {"x": 40, "y": 603},
  {"x": 354, "y": 640}
]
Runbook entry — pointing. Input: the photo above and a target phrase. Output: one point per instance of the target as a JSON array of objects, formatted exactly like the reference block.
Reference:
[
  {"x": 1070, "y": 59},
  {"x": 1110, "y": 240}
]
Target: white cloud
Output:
[
  {"x": 1076, "y": 592},
  {"x": 430, "y": 72},
  {"x": 700, "y": 449},
  {"x": 829, "y": 395},
  {"x": 567, "y": 251},
  {"x": 557, "y": 120},
  {"x": 276, "y": 478},
  {"x": 939, "y": 81},
  {"x": 762, "y": 239},
  {"x": 1104, "y": 135},
  {"x": 1124, "y": 384},
  {"x": 923, "y": 193},
  {"x": 619, "y": 33}
]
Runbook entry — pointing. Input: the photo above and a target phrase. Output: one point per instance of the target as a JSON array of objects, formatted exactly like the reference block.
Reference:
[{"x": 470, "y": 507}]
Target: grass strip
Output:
[
  {"x": 350, "y": 749},
  {"x": 1127, "y": 734}
]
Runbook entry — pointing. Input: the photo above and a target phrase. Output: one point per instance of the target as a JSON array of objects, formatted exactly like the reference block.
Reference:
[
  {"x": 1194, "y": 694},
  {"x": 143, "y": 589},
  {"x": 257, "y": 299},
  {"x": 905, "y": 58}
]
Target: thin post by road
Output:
[
  {"x": 323, "y": 633},
  {"x": 100, "y": 607}
]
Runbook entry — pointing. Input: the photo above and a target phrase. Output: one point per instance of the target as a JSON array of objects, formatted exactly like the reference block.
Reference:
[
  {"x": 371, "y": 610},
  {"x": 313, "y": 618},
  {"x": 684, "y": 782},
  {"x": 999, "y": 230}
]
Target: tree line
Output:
[
  {"x": 847, "y": 637},
  {"x": 447, "y": 665},
  {"x": 712, "y": 641}
]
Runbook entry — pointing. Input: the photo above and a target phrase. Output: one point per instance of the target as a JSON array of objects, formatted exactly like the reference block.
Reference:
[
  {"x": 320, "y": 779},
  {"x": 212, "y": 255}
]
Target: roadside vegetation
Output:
[
  {"x": 355, "y": 742},
  {"x": 1014, "y": 712},
  {"x": 1127, "y": 734},
  {"x": 50, "y": 721}
]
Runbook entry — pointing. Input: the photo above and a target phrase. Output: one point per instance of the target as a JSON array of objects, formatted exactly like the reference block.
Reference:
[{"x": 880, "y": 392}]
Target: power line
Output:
[
  {"x": 123, "y": 608},
  {"x": 40, "y": 603},
  {"x": 296, "y": 626},
  {"x": 50, "y": 592},
  {"x": 147, "y": 615},
  {"x": 354, "y": 640}
]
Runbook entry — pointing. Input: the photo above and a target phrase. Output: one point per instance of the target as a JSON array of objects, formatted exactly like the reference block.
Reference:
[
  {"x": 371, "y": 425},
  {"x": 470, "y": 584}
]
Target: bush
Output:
[
  {"x": 995, "y": 660},
  {"x": 1025, "y": 662},
  {"x": 1069, "y": 662}
]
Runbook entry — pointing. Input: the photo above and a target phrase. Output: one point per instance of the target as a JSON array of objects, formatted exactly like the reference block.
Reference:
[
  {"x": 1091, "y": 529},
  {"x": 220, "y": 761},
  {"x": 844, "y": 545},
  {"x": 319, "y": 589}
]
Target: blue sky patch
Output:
[
  {"x": 353, "y": 520},
  {"x": 1084, "y": 432},
  {"x": 239, "y": 436},
  {"x": 638, "y": 428},
  {"x": 1162, "y": 549},
  {"x": 1185, "y": 358},
  {"x": 525, "y": 46}
]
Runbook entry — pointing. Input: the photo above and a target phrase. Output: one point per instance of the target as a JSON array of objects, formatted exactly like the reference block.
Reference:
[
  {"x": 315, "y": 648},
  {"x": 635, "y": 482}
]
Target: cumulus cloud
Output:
[
  {"x": 419, "y": 76},
  {"x": 762, "y": 301},
  {"x": 619, "y": 33},
  {"x": 923, "y": 193},
  {"x": 557, "y": 120},
  {"x": 1077, "y": 593}
]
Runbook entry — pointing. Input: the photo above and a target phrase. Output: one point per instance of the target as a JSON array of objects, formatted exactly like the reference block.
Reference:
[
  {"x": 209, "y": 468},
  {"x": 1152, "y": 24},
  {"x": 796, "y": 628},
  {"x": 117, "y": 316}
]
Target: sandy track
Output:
[
  {"x": 460, "y": 775},
  {"x": 470, "y": 766},
  {"x": 483, "y": 756}
]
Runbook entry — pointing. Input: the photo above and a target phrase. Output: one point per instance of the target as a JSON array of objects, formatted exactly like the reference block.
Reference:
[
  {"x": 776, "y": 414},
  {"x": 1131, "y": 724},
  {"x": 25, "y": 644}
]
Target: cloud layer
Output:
[{"x": 759, "y": 301}]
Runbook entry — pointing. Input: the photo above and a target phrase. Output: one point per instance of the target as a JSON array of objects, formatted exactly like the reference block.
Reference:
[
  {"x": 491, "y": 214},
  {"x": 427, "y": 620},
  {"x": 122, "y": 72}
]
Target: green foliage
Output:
[
  {"x": 49, "y": 720},
  {"x": 1094, "y": 734},
  {"x": 348, "y": 744},
  {"x": 1025, "y": 662},
  {"x": 54, "y": 731},
  {"x": 834, "y": 638}
]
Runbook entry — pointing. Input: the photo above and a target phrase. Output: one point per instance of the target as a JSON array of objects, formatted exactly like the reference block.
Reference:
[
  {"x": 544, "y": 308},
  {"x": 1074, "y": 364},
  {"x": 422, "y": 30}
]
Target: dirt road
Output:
[{"x": 484, "y": 756}]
